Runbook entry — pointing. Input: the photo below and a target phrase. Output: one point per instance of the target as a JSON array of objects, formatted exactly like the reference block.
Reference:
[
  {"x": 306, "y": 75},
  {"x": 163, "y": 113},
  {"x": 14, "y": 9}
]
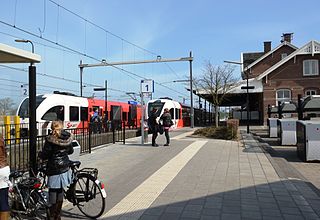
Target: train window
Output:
[
  {"x": 74, "y": 113},
  {"x": 172, "y": 113},
  {"x": 124, "y": 116},
  {"x": 84, "y": 114},
  {"x": 54, "y": 113},
  {"x": 158, "y": 106},
  {"x": 24, "y": 107},
  {"x": 177, "y": 113}
]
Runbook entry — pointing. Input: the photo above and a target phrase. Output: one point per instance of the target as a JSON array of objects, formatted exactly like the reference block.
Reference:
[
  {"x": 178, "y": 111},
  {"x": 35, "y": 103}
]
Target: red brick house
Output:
[{"x": 284, "y": 72}]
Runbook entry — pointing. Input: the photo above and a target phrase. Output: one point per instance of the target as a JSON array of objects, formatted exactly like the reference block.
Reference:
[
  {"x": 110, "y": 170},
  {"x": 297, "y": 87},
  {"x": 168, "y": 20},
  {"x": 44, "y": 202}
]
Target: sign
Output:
[
  {"x": 25, "y": 89},
  {"x": 147, "y": 86},
  {"x": 132, "y": 103},
  {"x": 247, "y": 87}
]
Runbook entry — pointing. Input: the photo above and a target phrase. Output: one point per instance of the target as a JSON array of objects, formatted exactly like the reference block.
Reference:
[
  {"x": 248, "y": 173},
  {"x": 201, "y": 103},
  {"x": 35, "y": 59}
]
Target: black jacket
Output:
[
  {"x": 56, "y": 151},
  {"x": 152, "y": 120},
  {"x": 166, "y": 118}
]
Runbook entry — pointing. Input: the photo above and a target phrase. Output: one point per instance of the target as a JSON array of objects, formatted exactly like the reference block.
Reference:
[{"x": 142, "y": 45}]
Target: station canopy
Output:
[
  {"x": 10, "y": 54},
  {"x": 235, "y": 96}
]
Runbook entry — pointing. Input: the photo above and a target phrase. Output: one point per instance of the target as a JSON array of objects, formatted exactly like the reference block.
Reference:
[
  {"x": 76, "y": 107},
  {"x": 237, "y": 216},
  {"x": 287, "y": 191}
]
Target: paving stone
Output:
[
  {"x": 225, "y": 216},
  {"x": 191, "y": 214},
  {"x": 251, "y": 215}
]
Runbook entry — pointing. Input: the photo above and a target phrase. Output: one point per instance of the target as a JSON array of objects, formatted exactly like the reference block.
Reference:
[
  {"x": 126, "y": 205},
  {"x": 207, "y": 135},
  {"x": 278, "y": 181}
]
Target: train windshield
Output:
[
  {"x": 157, "y": 105},
  {"x": 24, "y": 107}
]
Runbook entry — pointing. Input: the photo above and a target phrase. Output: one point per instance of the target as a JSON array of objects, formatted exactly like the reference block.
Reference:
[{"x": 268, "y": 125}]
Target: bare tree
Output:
[
  {"x": 6, "y": 106},
  {"x": 217, "y": 82}
]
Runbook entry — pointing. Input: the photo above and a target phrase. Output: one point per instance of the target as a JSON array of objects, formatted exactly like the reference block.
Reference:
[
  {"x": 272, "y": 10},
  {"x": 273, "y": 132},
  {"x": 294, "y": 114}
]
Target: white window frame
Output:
[
  {"x": 311, "y": 67},
  {"x": 283, "y": 99},
  {"x": 310, "y": 91}
]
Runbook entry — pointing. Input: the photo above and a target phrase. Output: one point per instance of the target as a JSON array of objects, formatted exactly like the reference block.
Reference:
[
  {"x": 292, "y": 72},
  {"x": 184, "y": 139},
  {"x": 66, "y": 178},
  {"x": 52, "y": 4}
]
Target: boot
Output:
[
  {"x": 57, "y": 215},
  {"x": 52, "y": 211},
  {"x": 4, "y": 215}
]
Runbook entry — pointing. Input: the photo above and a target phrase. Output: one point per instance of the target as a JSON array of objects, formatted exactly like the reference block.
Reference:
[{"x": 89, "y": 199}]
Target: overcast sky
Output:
[{"x": 122, "y": 30}]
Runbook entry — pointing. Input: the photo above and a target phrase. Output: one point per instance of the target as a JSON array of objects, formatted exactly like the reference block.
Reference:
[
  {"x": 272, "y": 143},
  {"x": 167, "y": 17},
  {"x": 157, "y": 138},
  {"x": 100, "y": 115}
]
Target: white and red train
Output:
[{"x": 76, "y": 111}]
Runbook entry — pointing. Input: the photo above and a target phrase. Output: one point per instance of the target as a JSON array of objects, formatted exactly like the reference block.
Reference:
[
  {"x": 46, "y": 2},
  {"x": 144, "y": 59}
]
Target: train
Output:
[
  {"x": 180, "y": 113},
  {"x": 77, "y": 112}
]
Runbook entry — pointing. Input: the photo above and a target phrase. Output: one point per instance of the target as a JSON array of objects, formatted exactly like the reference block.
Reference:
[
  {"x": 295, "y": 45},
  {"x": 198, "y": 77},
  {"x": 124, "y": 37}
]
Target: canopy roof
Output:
[{"x": 14, "y": 55}]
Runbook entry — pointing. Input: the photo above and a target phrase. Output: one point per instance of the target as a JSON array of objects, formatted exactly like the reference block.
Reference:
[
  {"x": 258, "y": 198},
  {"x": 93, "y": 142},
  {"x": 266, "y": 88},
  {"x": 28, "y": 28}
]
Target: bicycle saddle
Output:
[{"x": 75, "y": 163}]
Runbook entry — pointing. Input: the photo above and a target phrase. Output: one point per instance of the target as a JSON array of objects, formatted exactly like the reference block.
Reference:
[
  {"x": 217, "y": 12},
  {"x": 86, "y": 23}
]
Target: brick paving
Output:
[{"x": 216, "y": 179}]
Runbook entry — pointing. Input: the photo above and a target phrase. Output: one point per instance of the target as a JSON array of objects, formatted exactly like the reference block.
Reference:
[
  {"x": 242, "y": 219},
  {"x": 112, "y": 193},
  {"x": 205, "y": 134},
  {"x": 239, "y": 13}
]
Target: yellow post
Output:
[
  {"x": 17, "y": 128},
  {"x": 7, "y": 128}
]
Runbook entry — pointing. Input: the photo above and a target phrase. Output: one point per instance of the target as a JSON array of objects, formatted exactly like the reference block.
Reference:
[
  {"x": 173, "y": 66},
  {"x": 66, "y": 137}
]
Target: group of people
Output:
[
  {"x": 156, "y": 127},
  {"x": 57, "y": 147}
]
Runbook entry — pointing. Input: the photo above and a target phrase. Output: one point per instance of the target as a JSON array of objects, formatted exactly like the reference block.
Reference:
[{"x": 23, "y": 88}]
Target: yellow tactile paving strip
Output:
[{"x": 136, "y": 202}]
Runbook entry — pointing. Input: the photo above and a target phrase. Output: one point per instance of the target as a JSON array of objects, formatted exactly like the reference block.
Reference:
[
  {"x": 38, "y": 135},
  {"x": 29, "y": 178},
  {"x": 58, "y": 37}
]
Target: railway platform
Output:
[{"x": 198, "y": 178}]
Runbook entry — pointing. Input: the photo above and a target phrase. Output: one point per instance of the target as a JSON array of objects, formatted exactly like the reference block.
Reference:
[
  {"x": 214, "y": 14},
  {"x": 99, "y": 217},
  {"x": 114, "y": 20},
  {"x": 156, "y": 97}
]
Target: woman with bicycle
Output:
[
  {"x": 57, "y": 147},
  {"x": 4, "y": 182}
]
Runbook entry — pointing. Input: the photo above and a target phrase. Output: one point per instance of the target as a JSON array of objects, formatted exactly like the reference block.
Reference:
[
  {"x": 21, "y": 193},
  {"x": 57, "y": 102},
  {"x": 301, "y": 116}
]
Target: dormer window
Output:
[{"x": 310, "y": 67}]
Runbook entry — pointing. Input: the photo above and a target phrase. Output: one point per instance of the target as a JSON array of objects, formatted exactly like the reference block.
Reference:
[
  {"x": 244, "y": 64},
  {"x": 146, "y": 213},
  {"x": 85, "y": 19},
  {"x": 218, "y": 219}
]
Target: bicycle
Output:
[
  {"x": 25, "y": 197},
  {"x": 86, "y": 191}
]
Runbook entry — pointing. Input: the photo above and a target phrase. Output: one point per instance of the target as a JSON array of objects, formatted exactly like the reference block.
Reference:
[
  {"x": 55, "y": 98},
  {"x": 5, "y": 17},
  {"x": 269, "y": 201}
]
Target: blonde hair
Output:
[{"x": 56, "y": 127}]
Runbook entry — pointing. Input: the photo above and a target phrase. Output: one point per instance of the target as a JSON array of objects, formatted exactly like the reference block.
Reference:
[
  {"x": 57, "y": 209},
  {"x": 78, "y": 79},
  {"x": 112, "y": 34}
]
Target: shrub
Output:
[{"x": 223, "y": 132}]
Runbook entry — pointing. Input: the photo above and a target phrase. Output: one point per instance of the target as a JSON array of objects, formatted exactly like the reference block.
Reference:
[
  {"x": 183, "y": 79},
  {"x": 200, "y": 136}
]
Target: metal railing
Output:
[{"x": 96, "y": 134}]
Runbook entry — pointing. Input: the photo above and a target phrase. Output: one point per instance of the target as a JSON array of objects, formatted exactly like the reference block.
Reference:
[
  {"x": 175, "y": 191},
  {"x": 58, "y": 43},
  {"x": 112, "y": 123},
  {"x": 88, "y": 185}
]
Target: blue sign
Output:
[{"x": 132, "y": 103}]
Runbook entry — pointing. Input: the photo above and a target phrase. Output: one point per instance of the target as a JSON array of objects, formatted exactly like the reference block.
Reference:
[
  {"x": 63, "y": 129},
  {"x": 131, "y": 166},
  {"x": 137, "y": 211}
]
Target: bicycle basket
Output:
[{"x": 91, "y": 171}]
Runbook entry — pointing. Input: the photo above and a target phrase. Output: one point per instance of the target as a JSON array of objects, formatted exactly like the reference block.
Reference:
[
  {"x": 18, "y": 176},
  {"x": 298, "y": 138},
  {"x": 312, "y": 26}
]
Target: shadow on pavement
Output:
[{"x": 289, "y": 199}]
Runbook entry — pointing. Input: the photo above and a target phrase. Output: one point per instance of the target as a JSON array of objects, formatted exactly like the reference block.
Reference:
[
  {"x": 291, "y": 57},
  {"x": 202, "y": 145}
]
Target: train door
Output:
[
  {"x": 115, "y": 116},
  {"x": 132, "y": 116}
]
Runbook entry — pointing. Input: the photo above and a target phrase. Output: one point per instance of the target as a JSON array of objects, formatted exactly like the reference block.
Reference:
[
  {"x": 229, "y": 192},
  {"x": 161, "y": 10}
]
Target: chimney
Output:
[
  {"x": 267, "y": 46},
  {"x": 286, "y": 37}
]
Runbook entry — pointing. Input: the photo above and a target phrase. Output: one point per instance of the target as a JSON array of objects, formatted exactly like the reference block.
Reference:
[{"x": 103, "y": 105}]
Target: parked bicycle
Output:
[
  {"x": 26, "y": 197},
  {"x": 86, "y": 191}
]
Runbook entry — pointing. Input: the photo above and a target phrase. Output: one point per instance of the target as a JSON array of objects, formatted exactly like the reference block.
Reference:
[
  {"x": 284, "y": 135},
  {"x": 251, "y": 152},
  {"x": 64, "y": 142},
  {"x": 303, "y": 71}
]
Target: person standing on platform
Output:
[
  {"x": 153, "y": 126},
  {"x": 57, "y": 147},
  {"x": 167, "y": 123}
]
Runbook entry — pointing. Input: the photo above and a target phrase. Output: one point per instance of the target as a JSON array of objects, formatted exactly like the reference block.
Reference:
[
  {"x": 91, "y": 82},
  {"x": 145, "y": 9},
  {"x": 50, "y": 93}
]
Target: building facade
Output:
[{"x": 285, "y": 72}]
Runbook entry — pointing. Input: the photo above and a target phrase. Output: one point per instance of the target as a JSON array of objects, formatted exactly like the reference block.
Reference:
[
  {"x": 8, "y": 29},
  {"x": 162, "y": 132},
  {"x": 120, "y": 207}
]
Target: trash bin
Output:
[
  {"x": 272, "y": 124},
  {"x": 287, "y": 131},
  {"x": 308, "y": 140}
]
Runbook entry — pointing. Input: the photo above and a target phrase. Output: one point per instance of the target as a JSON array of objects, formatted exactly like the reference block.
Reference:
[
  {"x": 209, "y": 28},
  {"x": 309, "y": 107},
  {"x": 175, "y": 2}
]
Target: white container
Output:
[
  {"x": 308, "y": 140},
  {"x": 75, "y": 156},
  {"x": 273, "y": 130},
  {"x": 287, "y": 131}
]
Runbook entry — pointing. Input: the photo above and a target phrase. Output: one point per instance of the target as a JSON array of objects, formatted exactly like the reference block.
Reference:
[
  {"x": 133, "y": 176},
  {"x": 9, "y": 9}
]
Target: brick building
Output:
[{"x": 284, "y": 72}]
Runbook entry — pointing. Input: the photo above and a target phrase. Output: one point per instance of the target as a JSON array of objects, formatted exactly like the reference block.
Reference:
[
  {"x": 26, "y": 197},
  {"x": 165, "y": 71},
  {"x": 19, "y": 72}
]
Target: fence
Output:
[{"x": 17, "y": 143}]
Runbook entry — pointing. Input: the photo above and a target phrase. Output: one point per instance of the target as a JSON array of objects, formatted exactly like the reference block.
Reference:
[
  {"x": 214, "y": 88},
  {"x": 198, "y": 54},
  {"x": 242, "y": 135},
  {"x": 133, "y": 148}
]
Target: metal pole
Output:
[
  {"x": 248, "y": 121},
  {"x": 191, "y": 95},
  {"x": 81, "y": 72},
  {"x": 32, "y": 123},
  {"x": 106, "y": 99},
  {"x": 142, "y": 119}
]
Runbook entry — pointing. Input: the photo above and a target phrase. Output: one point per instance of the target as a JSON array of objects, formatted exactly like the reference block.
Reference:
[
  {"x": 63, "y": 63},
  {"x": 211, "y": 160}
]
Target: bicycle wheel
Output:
[
  {"x": 38, "y": 205},
  {"x": 90, "y": 198}
]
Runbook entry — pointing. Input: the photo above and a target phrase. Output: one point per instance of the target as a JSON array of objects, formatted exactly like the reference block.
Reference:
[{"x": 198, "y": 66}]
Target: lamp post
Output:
[
  {"x": 32, "y": 115},
  {"x": 247, "y": 88}
]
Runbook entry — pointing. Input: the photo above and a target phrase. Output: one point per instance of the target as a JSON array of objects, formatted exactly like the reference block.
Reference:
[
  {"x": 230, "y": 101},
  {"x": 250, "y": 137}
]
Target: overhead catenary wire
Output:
[{"x": 69, "y": 49}]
